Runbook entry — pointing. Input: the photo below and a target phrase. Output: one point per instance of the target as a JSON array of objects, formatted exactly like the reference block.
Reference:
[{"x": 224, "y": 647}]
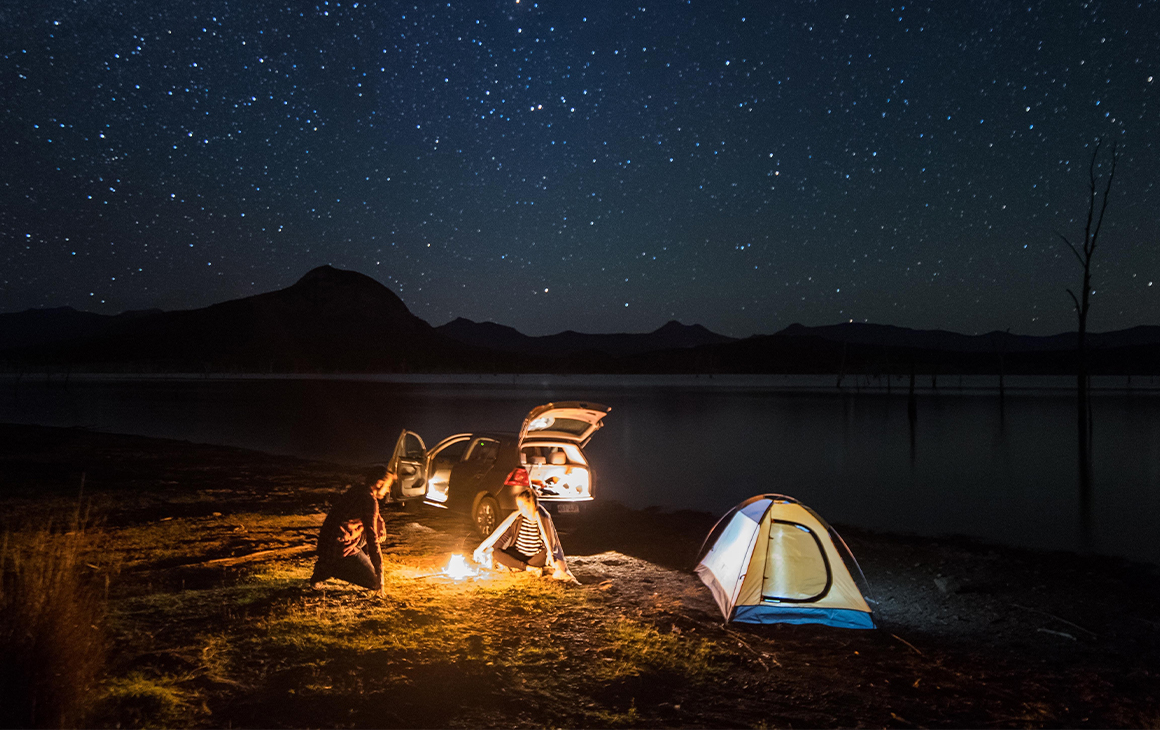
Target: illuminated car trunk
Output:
[{"x": 558, "y": 471}]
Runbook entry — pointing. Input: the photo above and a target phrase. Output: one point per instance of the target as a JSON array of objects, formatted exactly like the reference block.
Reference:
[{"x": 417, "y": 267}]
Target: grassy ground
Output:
[
  {"x": 257, "y": 647},
  {"x": 211, "y": 622}
]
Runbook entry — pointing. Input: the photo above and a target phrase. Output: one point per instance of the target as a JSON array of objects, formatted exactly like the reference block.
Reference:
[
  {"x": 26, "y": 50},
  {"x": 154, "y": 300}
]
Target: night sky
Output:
[{"x": 599, "y": 166}]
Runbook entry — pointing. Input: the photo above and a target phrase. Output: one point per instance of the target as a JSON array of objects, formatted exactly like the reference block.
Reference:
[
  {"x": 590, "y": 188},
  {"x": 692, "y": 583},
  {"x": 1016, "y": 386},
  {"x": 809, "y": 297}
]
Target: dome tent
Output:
[{"x": 771, "y": 559}]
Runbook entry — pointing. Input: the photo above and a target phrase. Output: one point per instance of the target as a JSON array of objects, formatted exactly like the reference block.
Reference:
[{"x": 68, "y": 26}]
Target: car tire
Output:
[{"x": 486, "y": 515}]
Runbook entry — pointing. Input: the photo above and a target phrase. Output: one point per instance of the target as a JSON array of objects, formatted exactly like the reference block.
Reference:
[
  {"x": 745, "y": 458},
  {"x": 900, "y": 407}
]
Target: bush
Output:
[{"x": 52, "y": 641}]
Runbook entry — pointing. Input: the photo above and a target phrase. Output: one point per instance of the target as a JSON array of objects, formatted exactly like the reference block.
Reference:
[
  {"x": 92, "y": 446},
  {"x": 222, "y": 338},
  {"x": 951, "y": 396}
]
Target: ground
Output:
[{"x": 207, "y": 550}]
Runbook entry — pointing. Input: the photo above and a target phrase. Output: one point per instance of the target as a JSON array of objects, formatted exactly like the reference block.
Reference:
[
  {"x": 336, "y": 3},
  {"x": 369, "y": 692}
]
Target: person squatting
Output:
[{"x": 348, "y": 543}]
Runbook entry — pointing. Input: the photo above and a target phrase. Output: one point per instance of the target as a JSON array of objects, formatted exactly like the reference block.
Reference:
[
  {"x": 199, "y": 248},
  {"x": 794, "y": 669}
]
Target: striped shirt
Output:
[{"x": 528, "y": 541}]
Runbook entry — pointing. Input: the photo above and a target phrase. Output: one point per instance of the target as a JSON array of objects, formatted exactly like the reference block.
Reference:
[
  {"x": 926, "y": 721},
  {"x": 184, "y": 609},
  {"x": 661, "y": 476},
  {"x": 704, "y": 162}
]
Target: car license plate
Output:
[{"x": 566, "y": 507}]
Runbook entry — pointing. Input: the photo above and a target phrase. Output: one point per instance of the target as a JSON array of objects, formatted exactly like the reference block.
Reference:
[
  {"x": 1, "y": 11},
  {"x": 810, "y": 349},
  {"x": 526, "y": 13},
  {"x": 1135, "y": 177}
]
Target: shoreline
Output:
[
  {"x": 956, "y": 539},
  {"x": 823, "y": 383}
]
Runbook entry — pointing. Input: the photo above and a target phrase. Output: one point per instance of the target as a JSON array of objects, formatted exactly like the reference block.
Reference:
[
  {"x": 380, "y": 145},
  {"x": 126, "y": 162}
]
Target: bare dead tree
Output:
[{"x": 1083, "y": 254}]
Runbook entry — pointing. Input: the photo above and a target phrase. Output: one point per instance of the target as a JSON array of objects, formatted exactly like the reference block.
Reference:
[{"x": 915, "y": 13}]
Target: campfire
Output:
[{"x": 458, "y": 569}]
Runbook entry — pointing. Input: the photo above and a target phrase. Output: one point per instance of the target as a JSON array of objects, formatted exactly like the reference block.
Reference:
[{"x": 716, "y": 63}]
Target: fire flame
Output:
[{"x": 458, "y": 569}]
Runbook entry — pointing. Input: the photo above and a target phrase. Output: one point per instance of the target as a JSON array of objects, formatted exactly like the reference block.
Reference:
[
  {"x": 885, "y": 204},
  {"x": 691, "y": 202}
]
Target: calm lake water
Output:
[{"x": 968, "y": 467}]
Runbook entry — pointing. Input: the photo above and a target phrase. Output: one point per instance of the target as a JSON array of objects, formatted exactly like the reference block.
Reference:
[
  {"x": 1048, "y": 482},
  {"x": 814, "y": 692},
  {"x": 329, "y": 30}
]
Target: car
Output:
[{"x": 480, "y": 473}]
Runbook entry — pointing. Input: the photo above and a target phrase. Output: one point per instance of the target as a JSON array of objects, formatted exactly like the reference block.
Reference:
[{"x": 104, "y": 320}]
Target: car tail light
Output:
[{"x": 518, "y": 477}]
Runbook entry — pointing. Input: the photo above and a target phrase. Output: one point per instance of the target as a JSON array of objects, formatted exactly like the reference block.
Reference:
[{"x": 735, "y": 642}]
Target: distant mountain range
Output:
[
  {"x": 342, "y": 321},
  {"x": 890, "y": 336},
  {"x": 672, "y": 335}
]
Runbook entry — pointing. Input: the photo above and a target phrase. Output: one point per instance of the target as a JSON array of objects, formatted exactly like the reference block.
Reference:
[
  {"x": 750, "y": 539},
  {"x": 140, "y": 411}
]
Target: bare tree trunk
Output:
[
  {"x": 842, "y": 368},
  {"x": 1083, "y": 255},
  {"x": 911, "y": 400},
  {"x": 1000, "y": 349},
  {"x": 912, "y": 415}
]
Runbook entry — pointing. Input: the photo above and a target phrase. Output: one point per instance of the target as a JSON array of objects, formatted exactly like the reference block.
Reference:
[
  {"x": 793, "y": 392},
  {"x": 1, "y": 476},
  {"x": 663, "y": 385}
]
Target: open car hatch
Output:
[{"x": 572, "y": 421}]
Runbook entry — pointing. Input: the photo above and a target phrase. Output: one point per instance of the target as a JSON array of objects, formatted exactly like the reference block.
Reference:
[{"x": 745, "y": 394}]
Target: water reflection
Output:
[
  {"x": 955, "y": 461},
  {"x": 1084, "y": 467}
]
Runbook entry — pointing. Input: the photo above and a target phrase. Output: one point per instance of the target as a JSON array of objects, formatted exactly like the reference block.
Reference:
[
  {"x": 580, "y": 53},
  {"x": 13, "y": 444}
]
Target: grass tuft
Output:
[
  {"x": 639, "y": 650},
  {"x": 139, "y": 701},
  {"x": 52, "y": 640},
  {"x": 611, "y": 718}
]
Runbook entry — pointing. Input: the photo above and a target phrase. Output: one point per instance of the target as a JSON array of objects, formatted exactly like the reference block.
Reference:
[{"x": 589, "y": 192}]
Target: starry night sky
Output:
[{"x": 599, "y": 166}]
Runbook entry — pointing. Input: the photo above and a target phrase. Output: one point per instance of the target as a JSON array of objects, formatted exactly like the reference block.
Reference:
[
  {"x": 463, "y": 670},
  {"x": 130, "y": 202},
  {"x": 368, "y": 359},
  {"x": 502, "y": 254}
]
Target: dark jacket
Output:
[{"x": 354, "y": 523}]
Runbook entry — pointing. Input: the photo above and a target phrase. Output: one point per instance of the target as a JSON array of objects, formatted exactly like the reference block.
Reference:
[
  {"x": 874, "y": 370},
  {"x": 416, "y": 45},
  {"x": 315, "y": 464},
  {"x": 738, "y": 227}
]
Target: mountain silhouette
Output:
[
  {"x": 672, "y": 335},
  {"x": 879, "y": 350},
  {"x": 38, "y": 327},
  {"x": 333, "y": 320},
  {"x": 889, "y": 335},
  {"x": 329, "y": 320}
]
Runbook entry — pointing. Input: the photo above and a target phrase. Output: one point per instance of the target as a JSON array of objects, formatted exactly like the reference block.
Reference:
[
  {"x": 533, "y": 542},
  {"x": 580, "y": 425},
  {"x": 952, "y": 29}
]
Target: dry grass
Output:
[
  {"x": 421, "y": 617},
  {"x": 140, "y": 701},
  {"x": 52, "y": 640},
  {"x": 297, "y": 656},
  {"x": 170, "y": 542},
  {"x": 607, "y": 718},
  {"x": 636, "y": 649}
]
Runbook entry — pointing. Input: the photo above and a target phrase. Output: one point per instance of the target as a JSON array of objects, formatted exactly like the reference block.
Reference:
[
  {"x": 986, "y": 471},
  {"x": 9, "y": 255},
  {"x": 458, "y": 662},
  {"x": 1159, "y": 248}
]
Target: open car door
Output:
[
  {"x": 573, "y": 421},
  {"x": 409, "y": 461}
]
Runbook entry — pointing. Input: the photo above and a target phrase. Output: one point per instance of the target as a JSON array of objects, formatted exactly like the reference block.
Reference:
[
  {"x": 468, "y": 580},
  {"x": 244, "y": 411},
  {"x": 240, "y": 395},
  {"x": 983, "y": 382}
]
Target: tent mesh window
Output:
[{"x": 796, "y": 569}]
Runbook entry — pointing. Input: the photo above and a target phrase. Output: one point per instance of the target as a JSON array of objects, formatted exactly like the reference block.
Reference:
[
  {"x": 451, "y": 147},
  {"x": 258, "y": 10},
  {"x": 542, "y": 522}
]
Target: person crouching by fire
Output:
[
  {"x": 526, "y": 540},
  {"x": 348, "y": 543}
]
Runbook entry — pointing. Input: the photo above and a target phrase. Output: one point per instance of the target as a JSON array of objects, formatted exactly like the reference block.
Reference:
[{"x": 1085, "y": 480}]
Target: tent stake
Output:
[
  {"x": 756, "y": 653},
  {"x": 904, "y": 641},
  {"x": 1057, "y": 618}
]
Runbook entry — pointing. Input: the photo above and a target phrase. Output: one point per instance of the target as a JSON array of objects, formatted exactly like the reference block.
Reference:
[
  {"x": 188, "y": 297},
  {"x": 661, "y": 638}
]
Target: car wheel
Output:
[{"x": 485, "y": 515}]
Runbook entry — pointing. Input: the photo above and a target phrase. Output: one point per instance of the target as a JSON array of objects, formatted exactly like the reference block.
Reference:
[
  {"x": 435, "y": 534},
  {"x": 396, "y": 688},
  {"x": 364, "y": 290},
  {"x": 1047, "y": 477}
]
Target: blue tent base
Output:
[{"x": 786, "y": 614}]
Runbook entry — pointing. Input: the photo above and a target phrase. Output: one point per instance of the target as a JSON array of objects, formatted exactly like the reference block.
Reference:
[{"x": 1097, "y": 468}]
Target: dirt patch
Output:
[{"x": 208, "y": 551}]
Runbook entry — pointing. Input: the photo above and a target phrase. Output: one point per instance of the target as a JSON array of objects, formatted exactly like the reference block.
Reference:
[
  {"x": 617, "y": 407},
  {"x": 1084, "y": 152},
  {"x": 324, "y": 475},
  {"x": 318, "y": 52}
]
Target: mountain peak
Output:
[
  {"x": 328, "y": 275},
  {"x": 333, "y": 287},
  {"x": 673, "y": 326}
]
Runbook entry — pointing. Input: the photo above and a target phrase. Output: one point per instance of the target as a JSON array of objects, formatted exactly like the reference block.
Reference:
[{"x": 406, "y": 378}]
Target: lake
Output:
[{"x": 969, "y": 466}]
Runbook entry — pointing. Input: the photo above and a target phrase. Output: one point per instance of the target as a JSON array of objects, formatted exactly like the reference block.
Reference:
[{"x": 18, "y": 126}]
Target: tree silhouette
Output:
[{"x": 1083, "y": 254}]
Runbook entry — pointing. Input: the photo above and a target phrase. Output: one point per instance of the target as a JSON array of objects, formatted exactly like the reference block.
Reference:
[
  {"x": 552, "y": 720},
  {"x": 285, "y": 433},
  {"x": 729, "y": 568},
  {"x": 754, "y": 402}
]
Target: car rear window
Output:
[{"x": 573, "y": 426}]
